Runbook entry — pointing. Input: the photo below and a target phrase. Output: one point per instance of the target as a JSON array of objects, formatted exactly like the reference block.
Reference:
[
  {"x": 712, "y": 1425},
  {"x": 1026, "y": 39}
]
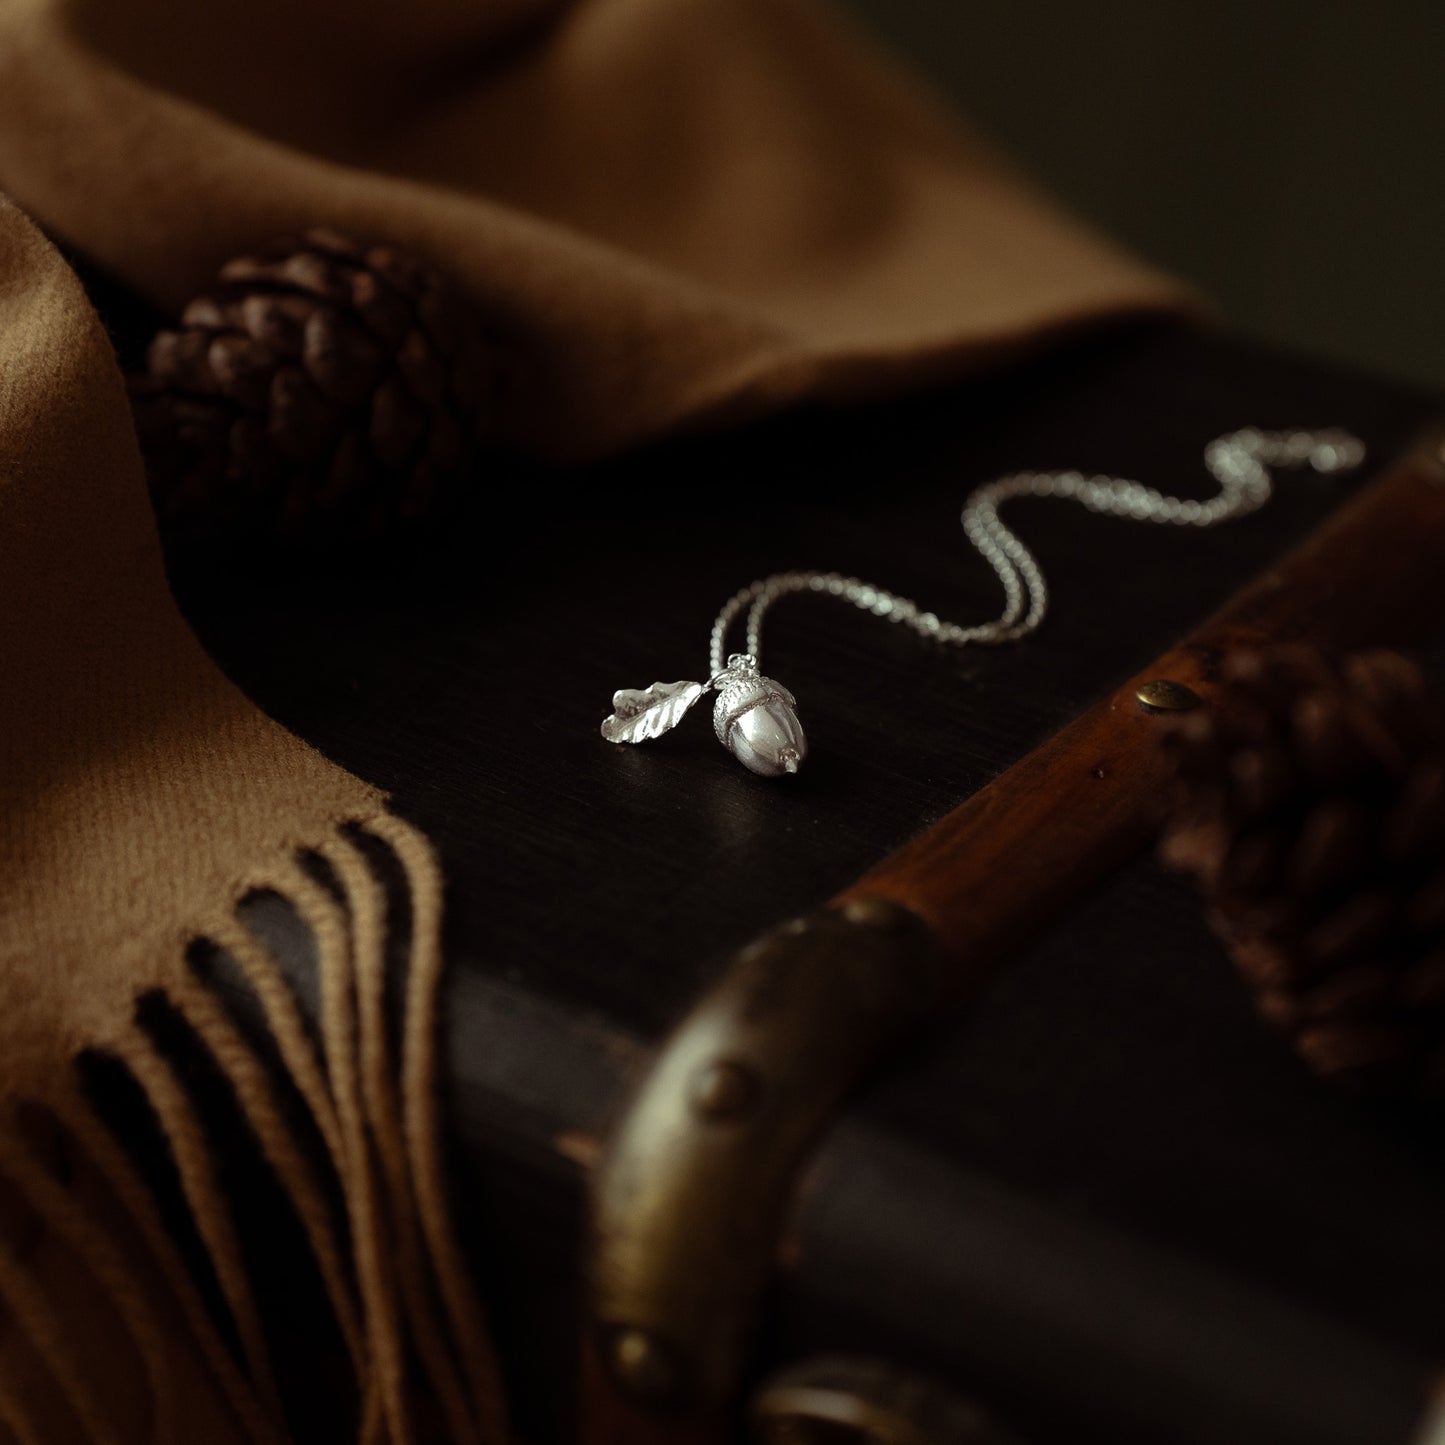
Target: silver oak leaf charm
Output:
[
  {"x": 754, "y": 717},
  {"x": 642, "y": 713}
]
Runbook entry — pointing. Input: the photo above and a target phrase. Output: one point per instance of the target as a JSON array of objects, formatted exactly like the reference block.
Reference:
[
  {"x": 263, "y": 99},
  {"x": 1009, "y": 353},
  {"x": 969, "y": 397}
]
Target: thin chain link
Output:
[{"x": 1239, "y": 462}]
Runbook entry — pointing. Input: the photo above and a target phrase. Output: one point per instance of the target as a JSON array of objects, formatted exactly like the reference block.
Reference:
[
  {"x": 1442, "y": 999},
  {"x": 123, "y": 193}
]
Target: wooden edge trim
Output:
[{"x": 1010, "y": 859}]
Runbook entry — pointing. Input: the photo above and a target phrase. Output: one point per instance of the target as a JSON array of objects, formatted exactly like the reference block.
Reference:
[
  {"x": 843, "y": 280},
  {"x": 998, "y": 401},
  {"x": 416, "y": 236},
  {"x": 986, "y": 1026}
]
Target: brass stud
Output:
[
  {"x": 641, "y": 1365},
  {"x": 1162, "y": 695},
  {"x": 723, "y": 1090},
  {"x": 879, "y": 913}
]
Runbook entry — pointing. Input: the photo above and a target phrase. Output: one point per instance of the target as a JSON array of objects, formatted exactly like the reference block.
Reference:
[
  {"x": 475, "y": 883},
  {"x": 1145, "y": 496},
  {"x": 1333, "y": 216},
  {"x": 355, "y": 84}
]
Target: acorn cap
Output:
[{"x": 742, "y": 692}]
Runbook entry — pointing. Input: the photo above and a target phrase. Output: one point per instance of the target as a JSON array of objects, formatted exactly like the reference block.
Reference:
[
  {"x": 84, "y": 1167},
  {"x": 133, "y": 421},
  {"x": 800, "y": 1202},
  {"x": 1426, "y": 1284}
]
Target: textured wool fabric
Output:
[
  {"x": 673, "y": 212},
  {"x": 141, "y": 796}
]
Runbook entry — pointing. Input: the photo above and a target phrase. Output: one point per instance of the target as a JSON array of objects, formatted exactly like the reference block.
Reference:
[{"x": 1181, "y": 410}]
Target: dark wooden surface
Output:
[{"x": 1112, "y": 1084}]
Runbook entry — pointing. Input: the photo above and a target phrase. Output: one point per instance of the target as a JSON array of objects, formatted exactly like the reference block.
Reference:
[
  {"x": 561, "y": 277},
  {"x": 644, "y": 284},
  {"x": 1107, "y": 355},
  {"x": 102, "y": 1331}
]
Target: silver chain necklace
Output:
[{"x": 755, "y": 718}]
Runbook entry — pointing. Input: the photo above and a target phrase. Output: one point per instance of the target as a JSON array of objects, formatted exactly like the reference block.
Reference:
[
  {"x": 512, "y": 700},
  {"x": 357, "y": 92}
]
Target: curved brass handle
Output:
[
  {"x": 689, "y": 1201},
  {"x": 864, "y": 1401}
]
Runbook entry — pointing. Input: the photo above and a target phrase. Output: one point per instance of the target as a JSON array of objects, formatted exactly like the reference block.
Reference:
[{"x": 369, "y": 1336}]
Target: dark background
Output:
[{"x": 1285, "y": 157}]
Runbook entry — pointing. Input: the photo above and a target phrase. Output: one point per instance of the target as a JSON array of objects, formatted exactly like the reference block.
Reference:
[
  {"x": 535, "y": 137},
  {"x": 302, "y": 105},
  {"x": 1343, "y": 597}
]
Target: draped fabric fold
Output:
[
  {"x": 670, "y": 213},
  {"x": 142, "y": 798}
]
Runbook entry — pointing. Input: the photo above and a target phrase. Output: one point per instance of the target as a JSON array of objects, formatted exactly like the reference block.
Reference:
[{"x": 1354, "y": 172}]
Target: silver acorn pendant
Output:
[
  {"x": 755, "y": 721},
  {"x": 754, "y": 717}
]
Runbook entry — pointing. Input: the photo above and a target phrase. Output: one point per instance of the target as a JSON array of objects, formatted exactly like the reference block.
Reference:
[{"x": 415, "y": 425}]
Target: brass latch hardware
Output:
[
  {"x": 855, "y": 1400},
  {"x": 688, "y": 1204}
]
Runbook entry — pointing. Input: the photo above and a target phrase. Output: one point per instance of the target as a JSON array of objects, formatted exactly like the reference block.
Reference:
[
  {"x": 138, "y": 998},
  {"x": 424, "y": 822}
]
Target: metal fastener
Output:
[
  {"x": 880, "y": 913},
  {"x": 865, "y": 1401},
  {"x": 642, "y": 1365},
  {"x": 1162, "y": 695},
  {"x": 723, "y": 1090}
]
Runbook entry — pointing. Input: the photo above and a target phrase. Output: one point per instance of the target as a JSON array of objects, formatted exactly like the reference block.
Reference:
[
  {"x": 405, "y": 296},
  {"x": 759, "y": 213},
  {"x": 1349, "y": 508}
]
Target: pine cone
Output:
[
  {"x": 322, "y": 387},
  {"x": 1309, "y": 805}
]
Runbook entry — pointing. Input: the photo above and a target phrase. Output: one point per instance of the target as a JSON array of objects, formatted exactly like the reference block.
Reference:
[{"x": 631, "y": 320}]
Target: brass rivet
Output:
[
  {"x": 642, "y": 1365},
  {"x": 1161, "y": 695},
  {"x": 723, "y": 1090},
  {"x": 875, "y": 913}
]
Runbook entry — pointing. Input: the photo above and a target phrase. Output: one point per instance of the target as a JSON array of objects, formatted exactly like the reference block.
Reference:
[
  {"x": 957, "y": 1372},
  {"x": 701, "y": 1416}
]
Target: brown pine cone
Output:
[
  {"x": 323, "y": 387},
  {"x": 1309, "y": 806}
]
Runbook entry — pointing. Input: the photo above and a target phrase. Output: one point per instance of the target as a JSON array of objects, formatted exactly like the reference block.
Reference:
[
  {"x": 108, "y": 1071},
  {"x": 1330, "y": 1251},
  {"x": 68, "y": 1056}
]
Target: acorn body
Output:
[{"x": 755, "y": 721}]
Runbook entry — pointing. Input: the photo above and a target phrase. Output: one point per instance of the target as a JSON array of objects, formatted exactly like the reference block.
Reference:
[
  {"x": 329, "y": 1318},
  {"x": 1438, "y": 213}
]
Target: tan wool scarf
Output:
[{"x": 673, "y": 213}]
